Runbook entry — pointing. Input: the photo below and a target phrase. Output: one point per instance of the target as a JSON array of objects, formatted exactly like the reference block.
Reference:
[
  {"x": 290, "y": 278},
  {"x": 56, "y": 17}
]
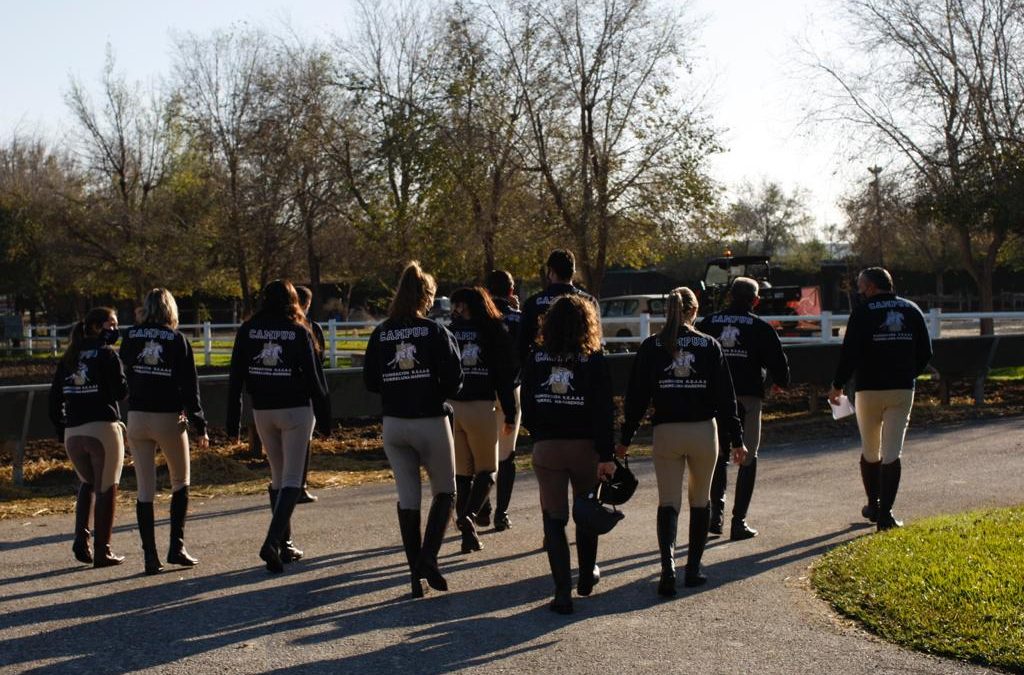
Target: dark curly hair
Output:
[{"x": 570, "y": 327}]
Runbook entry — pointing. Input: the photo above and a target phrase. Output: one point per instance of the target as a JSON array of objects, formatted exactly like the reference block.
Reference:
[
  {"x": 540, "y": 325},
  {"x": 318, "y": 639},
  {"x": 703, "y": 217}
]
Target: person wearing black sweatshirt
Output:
[
  {"x": 415, "y": 366},
  {"x": 559, "y": 272},
  {"x": 753, "y": 350},
  {"x": 501, "y": 286},
  {"x": 83, "y": 408},
  {"x": 306, "y": 301},
  {"x": 275, "y": 358},
  {"x": 489, "y": 371},
  {"x": 685, "y": 373},
  {"x": 163, "y": 399},
  {"x": 885, "y": 348},
  {"x": 568, "y": 409}
]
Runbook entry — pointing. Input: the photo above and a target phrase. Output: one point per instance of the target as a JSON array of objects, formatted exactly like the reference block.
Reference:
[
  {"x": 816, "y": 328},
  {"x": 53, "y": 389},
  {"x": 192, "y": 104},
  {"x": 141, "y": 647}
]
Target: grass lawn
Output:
[{"x": 949, "y": 585}]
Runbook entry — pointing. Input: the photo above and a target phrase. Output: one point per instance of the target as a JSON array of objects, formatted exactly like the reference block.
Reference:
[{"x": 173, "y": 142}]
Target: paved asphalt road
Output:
[{"x": 344, "y": 607}]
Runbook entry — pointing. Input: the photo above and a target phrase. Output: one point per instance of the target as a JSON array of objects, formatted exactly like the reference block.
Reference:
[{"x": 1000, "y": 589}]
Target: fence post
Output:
[
  {"x": 332, "y": 333},
  {"x": 645, "y": 326},
  {"x": 26, "y": 333},
  {"x": 54, "y": 342},
  {"x": 935, "y": 322},
  {"x": 826, "y": 327},
  {"x": 207, "y": 344}
]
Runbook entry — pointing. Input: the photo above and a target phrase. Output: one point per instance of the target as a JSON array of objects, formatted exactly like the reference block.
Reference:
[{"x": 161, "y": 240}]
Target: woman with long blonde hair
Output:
[
  {"x": 163, "y": 401},
  {"x": 413, "y": 363},
  {"x": 568, "y": 409},
  {"x": 685, "y": 372}
]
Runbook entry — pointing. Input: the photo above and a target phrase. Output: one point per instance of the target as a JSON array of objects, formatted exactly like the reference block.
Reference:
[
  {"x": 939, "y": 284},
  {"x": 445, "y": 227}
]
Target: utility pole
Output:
[{"x": 876, "y": 189}]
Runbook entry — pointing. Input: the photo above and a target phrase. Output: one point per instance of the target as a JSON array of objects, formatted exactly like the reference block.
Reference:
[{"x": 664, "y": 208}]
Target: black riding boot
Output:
[
  {"x": 144, "y": 517},
  {"x": 289, "y": 551},
  {"x": 306, "y": 497},
  {"x": 103, "y": 520},
  {"x": 700, "y": 518},
  {"x": 433, "y": 537},
  {"x": 412, "y": 542},
  {"x": 177, "y": 554},
  {"x": 668, "y": 521},
  {"x": 586, "y": 552},
  {"x": 745, "y": 478},
  {"x": 479, "y": 497},
  {"x": 506, "y": 481},
  {"x": 557, "y": 547},
  {"x": 889, "y": 485},
  {"x": 870, "y": 475},
  {"x": 83, "y": 507},
  {"x": 463, "y": 516},
  {"x": 719, "y": 483},
  {"x": 280, "y": 523}
]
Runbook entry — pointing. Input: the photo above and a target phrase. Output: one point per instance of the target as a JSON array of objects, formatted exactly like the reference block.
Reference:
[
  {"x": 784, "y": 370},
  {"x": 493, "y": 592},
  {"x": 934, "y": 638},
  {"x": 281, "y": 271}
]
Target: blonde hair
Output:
[
  {"x": 415, "y": 293},
  {"x": 680, "y": 308},
  {"x": 570, "y": 326},
  {"x": 160, "y": 307}
]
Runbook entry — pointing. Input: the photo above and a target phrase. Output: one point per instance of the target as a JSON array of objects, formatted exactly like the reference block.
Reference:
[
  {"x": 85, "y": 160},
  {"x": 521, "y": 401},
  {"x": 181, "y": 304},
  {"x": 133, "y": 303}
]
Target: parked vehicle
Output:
[{"x": 629, "y": 307}]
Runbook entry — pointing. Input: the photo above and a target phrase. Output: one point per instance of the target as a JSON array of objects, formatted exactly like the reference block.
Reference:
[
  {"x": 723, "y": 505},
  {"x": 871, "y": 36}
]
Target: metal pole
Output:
[
  {"x": 877, "y": 190},
  {"x": 826, "y": 326},
  {"x": 54, "y": 342}
]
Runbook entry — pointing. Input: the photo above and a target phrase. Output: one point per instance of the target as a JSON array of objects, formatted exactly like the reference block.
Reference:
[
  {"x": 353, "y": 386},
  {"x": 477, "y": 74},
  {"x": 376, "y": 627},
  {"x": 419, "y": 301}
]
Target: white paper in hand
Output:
[{"x": 842, "y": 409}]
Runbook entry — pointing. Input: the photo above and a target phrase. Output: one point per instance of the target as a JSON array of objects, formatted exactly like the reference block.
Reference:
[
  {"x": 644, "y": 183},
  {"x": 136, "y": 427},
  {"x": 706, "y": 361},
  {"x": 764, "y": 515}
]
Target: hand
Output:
[
  {"x": 507, "y": 429},
  {"x": 203, "y": 442},
  {"x": 739, "y": 454},
  {"x": 833, "y": 395},
  {"x": 605, "y": 470},
  {"x": 621, "y": 450}
]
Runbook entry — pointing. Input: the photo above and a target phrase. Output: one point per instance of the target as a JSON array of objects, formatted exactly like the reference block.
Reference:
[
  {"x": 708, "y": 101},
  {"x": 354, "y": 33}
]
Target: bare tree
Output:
[{"x": 941, "y": 82}]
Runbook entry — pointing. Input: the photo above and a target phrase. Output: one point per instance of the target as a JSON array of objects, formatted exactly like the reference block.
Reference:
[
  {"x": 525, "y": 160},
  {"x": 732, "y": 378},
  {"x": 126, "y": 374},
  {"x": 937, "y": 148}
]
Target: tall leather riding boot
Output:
[
  {"x": 412, "y": 542},
  {"x": 668, "y": 522},
  {"x": 289, "y": 551},
  {"x": 557, "y": 547},
  {"x": 83, "y": 507},
  {"x": 745, "y": 478},
  {"x": 700, "y": 518},
  {"x": 433, "y": 536},
  {"x": 870, "y": 475},
  {"x": 506, "y": 481},
  {"x": 463, "y": 516},
  {"x": 144, "y": 517},
  {"x": 270, "y": 552},
  {"x": 889, "y": 485},
  {"x": 176, "y": 554},
  {"x": 719, "y": 483},
  {"x": 479, "y": 495},
  {"x": 103, "y": 519},
  {"x": 306, "y": 497},
  {"x": 586, "y": 552}
]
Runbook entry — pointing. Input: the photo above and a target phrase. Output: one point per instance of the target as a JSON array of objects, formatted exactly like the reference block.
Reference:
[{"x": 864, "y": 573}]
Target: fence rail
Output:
[{"x": 346, "y": 340}]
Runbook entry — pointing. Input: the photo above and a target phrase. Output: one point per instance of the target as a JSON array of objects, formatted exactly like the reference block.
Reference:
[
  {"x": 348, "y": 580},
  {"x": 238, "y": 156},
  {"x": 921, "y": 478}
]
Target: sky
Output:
[{"x": 746, "y": 61}]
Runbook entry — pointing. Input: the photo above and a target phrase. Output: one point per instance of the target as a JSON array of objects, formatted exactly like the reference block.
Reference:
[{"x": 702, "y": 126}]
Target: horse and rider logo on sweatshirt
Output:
[
  {"x": 405, "y": 356},
  {"x": 152, "y": 353},
  {"x": 470, "y": 354},
  {"x": 270, "y": 355},
  {"x": 682, "y": 364},
  {"x": 730, "y": 336},
  {"x": 893, "y": 321},
  {"x": 559, "y": 381}
]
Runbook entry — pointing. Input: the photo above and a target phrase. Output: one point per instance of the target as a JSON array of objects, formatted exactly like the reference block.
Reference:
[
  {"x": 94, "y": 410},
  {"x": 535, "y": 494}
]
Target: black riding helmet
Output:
[
  {"x": 591, "y": 515},
  {"x": 618, "y": 489}
]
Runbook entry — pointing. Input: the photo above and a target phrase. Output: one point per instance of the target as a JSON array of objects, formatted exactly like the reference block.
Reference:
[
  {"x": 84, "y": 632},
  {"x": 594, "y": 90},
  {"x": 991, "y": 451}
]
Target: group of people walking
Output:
[{"x": 453, "y": 399}]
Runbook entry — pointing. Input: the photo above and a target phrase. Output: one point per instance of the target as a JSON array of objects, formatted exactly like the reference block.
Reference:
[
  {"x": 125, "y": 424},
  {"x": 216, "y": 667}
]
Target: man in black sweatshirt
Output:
[
  {"x": 753, "y": 350},
  {"x": 559, "y": 271},
  {"x": 885, "y": 348}
]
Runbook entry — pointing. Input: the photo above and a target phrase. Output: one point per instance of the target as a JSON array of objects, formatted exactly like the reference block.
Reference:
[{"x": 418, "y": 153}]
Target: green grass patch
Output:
[
  {"x": 1007, "y": 374},
  {"x": 949, "y": 585}
]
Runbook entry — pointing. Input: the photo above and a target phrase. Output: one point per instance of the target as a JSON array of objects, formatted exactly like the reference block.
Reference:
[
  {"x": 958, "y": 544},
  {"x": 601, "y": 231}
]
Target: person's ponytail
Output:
[{"x": 680, "y": 303}]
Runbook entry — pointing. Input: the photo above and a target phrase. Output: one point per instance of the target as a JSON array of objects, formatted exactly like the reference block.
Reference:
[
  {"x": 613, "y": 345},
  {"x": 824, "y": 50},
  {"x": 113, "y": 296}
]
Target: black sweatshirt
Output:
[
  {"x": 90, "y": 391},
  {"x": 693, "y": 386},
  {"x": 537, "y": 305},
  {"x": 512, "y": 317},
  {"x": 488, "y": 366},
  {"x": 274, "y": 359},
  {"x": 886, "y": 345},
  {"x": 414, "y": 365},
  {"x": 752, "y": 348},
  {"x": 161, "y": 373},
  {"x": 569, "y": 398}
]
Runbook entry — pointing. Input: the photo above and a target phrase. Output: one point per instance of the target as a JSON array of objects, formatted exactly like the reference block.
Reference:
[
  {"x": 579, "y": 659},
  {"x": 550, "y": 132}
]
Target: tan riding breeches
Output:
[
  {"x": 285, "y": 434},
  {"x": 476, "y": 437},
  {"x": 148, "y": 431},
  {"x": 678, "y": 445},
  {"x": 751, "y": 425},
  {"x": 96, "y": 450},
  {"x": 882, "y": 417},
  {"x": 413, "y": 442}
]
